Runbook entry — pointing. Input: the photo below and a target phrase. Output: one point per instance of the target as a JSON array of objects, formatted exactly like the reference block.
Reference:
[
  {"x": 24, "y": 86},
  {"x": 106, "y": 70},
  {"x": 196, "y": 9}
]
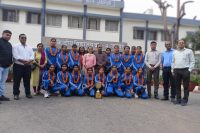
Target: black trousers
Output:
[
  {"x": 169, "y": 81},
  {"x": 182, "y": 75},
  {"x": 20, "y": 71}
]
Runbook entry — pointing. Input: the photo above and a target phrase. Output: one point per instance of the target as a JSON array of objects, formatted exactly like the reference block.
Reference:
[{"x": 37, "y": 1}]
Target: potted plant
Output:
[{"x": 194, "y": 81}]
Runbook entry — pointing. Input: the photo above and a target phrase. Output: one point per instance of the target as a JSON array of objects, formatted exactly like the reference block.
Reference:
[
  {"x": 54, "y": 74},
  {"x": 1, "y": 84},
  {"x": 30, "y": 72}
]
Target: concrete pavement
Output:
[{"x": 88, "y": 115}]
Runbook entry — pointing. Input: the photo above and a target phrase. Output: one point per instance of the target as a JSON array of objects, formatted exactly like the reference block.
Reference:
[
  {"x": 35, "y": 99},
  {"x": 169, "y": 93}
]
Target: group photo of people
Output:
[{"x": 77, "y": 71}]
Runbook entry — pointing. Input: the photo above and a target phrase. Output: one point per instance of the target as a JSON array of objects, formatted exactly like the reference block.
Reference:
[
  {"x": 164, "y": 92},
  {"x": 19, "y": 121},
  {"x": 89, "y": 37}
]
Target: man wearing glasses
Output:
[
  {"x": 183, "y": 62},
  {"x": 167, "y": 75},
  {"x": 23, "y": 57}
]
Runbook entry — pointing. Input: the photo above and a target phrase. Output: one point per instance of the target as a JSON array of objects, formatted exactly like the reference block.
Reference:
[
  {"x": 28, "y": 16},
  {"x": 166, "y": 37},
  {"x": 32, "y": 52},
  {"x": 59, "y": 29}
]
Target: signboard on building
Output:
[{"x": 83, "y": 43}]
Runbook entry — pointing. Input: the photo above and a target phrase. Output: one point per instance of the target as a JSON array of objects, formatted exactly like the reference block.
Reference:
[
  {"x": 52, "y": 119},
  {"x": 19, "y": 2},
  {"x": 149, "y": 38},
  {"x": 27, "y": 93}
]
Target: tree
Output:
[
  {"x": 194, "y": 40},
  {"x": 163, "y": 6}
]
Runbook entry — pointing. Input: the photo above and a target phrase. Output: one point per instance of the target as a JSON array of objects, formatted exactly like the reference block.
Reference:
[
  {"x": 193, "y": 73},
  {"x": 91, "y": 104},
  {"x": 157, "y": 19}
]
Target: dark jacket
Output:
[{"x": 5, "y": 53}]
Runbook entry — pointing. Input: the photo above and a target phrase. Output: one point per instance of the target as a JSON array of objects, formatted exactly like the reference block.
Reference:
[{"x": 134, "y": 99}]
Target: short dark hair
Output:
[
  {"x": 116, "y": 46},
  {"x": 64, "y": 64},
  {"x": 133, "y": 47},
  {"x": 108, "y": 49},
  {"x": 63, "y": 46},
  {"x": 126, "y": 47},
  {"x": 53, "y": 39},
  {"x": 74, "y": 46},
  {"x": 22, "y": 35},
  {"x": 153, "y": 42},
  {"x": 76, "y": 65},
  {"x": 7, "y": 31}
]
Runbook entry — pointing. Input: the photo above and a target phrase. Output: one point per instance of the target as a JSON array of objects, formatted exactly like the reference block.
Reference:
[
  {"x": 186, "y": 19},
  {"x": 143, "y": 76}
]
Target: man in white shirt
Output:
[
  {"x": 23, "y": 57},
  {"x": 183, "y": 62},
  {"x": 152, "y": 62}
]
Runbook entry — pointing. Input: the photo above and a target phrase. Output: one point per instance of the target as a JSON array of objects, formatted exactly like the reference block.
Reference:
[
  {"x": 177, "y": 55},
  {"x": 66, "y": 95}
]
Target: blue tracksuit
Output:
[
  {"x": 139, "y": 64},
  {"x": 128, "y": 89},
  {"x": 114, "y": 87},
  {"x": 59, "y": 60},
  {"x": 62, "y": 85},
  {"x": 117, "y": 63},
  {"x": 72, "y": 61},
  {"x": 97, "y": 80},
  {"x": 46, "y": 83},
  {"x": 50, "y": 58},
  {"x": 129, "y": 63},
  {"x": 91, "y": 90},
  {"x": 76, "y": 88},
  {"x": 139, "y": 89}
]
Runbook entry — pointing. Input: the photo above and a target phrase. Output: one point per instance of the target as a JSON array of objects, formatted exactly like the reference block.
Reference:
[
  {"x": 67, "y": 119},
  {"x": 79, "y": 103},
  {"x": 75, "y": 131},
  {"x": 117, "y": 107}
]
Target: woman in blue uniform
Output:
[
  {"x": 76, "y": 81},
  {"x": 63, "y": 78},
  {"x": 100, "y": 78},
  {"x": 49, "y": 81},
  {"x": 139, "y": 84},
  {"x": 113, "y": 83},
  {"x": 127, "y": 83},
  {"x": 88, "y": 82},
  {"x": 62, "y": 57}
]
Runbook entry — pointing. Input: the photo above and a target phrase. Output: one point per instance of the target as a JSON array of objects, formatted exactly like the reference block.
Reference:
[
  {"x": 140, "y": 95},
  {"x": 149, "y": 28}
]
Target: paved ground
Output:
[{"x": 88, "y": 115}]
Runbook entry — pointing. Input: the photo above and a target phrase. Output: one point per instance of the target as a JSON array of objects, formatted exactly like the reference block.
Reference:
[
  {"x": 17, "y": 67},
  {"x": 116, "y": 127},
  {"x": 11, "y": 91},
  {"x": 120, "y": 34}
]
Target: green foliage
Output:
[
  {"x": 195, "y": 78},
  {"x": 193, "y": 39}
]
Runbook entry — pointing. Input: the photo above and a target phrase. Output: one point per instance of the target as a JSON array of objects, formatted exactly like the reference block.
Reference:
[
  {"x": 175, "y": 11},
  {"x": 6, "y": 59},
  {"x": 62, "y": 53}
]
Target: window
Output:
[
  {"x": 138, "y": 34},
  {"x": 93, "y": 23},
  {"x": 75, "y": 21},
  {"x": 152, "y": 35},
  {"x": 10, "y": 15},
  {"x": 54, "y": 20},
  {"x": 111, "y": 25},
  {"x": 33, "y": 18}
]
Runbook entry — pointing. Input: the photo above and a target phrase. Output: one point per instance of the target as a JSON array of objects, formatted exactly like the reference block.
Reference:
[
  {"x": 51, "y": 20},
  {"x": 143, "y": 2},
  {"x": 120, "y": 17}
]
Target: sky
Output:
[{"x": 140, "y": 6}]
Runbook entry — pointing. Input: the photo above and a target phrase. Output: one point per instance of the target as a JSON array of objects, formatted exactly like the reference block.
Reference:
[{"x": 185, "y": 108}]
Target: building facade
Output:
[{"x": 94, "y": 21}]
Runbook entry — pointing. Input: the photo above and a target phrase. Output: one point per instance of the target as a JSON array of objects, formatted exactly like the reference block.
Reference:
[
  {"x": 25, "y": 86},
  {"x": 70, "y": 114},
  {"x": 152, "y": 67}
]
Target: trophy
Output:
[{"x": 98, "y": 94}]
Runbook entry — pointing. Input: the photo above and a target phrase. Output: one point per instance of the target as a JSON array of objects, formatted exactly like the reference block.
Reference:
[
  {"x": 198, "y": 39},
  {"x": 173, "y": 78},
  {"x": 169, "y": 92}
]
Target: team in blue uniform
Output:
[{"x": 123, "y": 75}]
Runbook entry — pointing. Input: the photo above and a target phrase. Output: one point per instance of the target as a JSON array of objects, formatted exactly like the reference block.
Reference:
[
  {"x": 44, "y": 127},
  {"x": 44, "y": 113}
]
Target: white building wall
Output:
[
  {"x": 102, "y": 11},
  {"x": 102, "y": 35},
  {"x": 33, "y": 31},
  {"x": 65, "y": 7},
  {"x": 64, "y": 31}
]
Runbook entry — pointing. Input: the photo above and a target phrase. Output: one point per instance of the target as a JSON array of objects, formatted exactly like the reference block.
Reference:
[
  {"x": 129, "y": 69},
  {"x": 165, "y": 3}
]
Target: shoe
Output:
[
  {"x": 46, "y": 95},
  {"x": 3, "y": 98},
  {"x": 29, "y": 96},
  {"x": 135, "y": 95},
  {"x": 173, "y": 100},
  {"x": 165, "y": 99},
  {"x": 176, "y": 102},
  {"x": 156, "y": 97},
  {"x": 16, "y": 97},
  {"x": 184, "y": 103}
]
